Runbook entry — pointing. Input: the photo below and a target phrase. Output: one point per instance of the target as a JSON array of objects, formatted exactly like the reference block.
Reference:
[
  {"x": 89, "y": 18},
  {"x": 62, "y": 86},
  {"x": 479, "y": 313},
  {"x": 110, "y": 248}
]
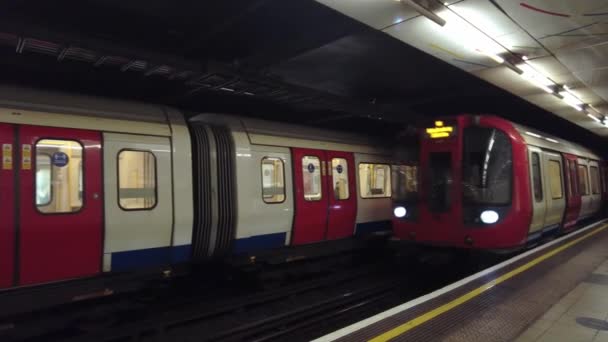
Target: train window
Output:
[
  {"x": 440, "y": 180},
  {"x": 487, "y": 166},
  {"x": 555, "y": 179},
  {"x": 43, "y": 179},
  {"x": 583, "y": 183},
  {"x": 339, "y": 172},
  {"x": 405, "y": 182},
  {"x": 536, "y": 180},
  {"x": 595, "y": 180},
  {"x": 311, "y": 176},
  {"x": 58, "y": 176},
  {"x": 573, "y": 178},
  {"x": 273, "y": 180},
  {"x": 136, "y": 180},
  {"x": 374, "y": 180}
]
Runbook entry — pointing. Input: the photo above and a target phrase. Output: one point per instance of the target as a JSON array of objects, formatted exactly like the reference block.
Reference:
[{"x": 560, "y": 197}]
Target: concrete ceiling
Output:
[{"x": 564, "y": 41}]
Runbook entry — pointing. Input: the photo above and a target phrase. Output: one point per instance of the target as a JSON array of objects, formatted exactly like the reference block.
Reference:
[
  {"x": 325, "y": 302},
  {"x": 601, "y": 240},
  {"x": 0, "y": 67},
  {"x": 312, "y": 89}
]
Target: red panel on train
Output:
[
  {"x": 61, "y": 204},
  {"x": 343, "y": 200},
  {"x": 7, "y": 209},
  {"x": 311, "y": 195}
]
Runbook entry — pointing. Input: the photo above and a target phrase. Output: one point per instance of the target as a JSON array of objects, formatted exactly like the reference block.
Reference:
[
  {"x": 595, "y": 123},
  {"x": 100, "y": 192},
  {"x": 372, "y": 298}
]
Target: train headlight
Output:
[
  {"x": 489, "y": 216},
  {"x": 399, "y": 212}
]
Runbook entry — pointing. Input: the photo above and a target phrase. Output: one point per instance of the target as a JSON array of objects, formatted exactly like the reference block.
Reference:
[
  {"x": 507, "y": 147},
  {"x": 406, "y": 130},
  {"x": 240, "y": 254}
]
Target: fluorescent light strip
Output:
[
  {"x": 552, "y": 140},
  {"x": 536, "y": 78},
  {"x": 534, "y": 135},
  {"x": 571, "y": 100},
  {"x": 594, "y": 117},
  {"x": 493, "y": 56}
]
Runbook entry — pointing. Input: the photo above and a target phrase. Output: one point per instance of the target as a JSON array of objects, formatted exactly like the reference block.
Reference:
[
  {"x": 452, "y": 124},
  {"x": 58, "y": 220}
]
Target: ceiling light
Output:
[
  {"x": 494, "y": 56},
  {"x": 425, "y": 12},
  {"x": 534, "y": 135},
  {"x": 536, "y": 78},
  {"x": 572, "y": 100},
  {"x": 594, "y": 117},
  {"x": 552, "y": 140}
]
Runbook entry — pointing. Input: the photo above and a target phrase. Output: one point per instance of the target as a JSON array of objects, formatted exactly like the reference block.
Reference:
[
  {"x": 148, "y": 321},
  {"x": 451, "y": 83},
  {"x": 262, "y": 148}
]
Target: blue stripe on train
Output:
[
  {"x": 372, "y": 227},
  {"x": 259, "y": 242},
  {"x": 149, "y": 257}
]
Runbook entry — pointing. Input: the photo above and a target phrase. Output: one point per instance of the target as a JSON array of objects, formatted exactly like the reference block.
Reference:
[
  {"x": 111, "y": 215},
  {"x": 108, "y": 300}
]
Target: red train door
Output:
[
  {"x": 60, "y": 228},
  {"x": 342, "y": 211},
  {"x": 573, "y": 198},
  {"x": 311, "y": 195},
  {"x": 7, "y": 209}
]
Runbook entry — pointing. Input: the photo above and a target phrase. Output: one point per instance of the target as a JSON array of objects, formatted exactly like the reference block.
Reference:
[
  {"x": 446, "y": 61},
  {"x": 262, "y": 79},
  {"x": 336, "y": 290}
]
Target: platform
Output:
[{"x": 556, "y": 292}]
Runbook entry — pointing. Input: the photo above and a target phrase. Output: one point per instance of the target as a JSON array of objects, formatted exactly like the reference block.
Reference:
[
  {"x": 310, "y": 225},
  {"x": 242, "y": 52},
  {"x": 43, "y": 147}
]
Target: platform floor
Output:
[
  {"x": 556, "y": 292},
  {"x": 581, "y": 315}
]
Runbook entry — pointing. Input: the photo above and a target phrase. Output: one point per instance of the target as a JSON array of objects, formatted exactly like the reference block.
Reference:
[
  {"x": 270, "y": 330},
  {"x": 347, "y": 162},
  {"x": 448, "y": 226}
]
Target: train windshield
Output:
[
  {"x": 405, "y": 182},
  {"x": 487, "y": 166}
]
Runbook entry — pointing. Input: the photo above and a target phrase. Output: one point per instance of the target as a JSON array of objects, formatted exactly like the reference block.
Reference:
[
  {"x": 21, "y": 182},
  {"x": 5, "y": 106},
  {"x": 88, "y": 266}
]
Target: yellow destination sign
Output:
[{"x": 439, "y": 131}]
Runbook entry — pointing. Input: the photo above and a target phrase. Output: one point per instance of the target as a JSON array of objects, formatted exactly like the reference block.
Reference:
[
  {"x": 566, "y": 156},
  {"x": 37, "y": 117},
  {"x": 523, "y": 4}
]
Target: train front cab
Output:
[{"x": 474, "y": 186}]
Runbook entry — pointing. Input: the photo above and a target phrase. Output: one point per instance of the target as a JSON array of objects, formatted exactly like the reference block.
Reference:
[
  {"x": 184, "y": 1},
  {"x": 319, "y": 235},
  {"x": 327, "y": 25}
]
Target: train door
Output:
[
  {"x": 342, "y": 211},
  {"x": 139, "y": 201},
  {"x": 61, "y": 204},
  {"x": 573, "y": 198},
  {"x": 7, "y": 209},
  {"x": 594, "y": 187},
  {"x": 555, "y": 197},
  {"x": 539, "y": 205},
  {"x": 311, "y": 196},
  {"x": 584, "y": 188}
]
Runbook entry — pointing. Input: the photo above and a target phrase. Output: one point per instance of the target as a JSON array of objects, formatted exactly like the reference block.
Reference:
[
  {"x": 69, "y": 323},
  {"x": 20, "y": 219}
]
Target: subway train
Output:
[
  {"x": 94, "y": 186},
  {"x": 486, "y": 183}
]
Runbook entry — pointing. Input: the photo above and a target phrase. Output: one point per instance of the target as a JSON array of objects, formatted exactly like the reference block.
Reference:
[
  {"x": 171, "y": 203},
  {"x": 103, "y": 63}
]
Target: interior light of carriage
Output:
[
  {"x": 533, "y": 135},
  {"x": 400, "y": 212},
  {"x": 489, "y": 216}
]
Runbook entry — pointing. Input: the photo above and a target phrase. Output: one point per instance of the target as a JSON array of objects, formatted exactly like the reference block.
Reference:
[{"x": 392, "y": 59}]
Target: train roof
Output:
[
  {"x": 263, "y": 132},
  {"x": 21, "y": 105},
  {"x": 546, "y": 141}
]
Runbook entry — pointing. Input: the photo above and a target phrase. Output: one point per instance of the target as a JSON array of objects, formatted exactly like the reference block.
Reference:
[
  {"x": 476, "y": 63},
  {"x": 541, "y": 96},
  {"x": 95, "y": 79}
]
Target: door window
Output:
[
  {"x": 440, "y": 181},
  {"x": 311, "y": 176},
  {"x": 555, "y": 179},
  {"x": 595, "y": 180},
  {"x": 374, "y": 180},
  {"x": 136, "y": 180},
  {"x": 537, "y": 186},
  {"x": 58, "y": 176},
  {"x": 574, "y": 178},
  {"x": 273, "y": 180},
  {"x": 583, "y": 183},
  {"x": 339, "y": 171}
]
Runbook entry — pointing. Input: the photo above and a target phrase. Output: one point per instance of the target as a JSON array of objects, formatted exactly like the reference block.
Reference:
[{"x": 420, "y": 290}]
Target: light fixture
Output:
[
  {"x": 536, "y": 78},
  {"x": 493, "y": 56},
  {"x": 489, "y": 216},
  {"x": 571, "y": 100},
  {"x": 595, "y": 118},
  {"x": 399, "y": 212},
  {"x": 534, "y": 135},
  {"x": 552, "y": 140},
  {"x": 425, "y": 12}
]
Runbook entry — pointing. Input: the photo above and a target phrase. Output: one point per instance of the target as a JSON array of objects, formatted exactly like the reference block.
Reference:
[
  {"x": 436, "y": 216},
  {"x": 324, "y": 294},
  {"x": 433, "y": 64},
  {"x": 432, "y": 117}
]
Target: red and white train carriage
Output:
[
  {"x": 488, "y": 183},
  {"x": 93, "y": 186}
]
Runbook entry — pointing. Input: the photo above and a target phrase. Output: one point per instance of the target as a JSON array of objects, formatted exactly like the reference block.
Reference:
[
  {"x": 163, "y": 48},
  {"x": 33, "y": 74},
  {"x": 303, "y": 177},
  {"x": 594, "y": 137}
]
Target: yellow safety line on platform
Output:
[{"x": 399, "y": 330}]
